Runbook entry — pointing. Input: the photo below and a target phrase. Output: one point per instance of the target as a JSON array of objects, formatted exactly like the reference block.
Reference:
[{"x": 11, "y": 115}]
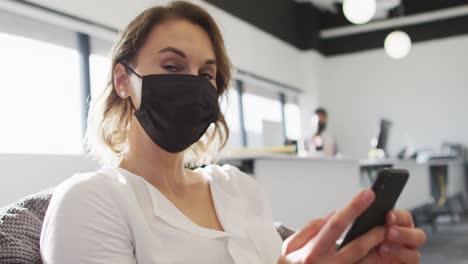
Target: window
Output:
[
  {"x": 262, "y": 115},
  {"x": 229, "y": 105},
  {"x": 292, "y": 114},
  {"x": 41, "y": 111},
  {"x": 99, "y": 65}
]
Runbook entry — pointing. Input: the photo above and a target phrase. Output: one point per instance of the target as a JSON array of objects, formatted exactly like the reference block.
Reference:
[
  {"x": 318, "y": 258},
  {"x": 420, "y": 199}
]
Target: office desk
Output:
[
  {"x": 302, "y": 189},
  {"x": 305, "y": 188}
]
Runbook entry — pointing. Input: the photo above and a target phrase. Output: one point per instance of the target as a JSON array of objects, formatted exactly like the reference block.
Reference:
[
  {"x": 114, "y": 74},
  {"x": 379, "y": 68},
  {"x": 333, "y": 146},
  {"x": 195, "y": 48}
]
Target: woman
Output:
[{"x": 159, "y": 115}]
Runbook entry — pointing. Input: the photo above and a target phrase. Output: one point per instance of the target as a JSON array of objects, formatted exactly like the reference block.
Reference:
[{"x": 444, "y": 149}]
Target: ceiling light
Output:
[
  {"x": 397, "y": 44},
  {"x": 359, "y": 11}
]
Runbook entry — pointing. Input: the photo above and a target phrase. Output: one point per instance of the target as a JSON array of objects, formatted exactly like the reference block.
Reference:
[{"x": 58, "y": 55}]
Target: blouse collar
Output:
[{"x": 230, "y": 209}]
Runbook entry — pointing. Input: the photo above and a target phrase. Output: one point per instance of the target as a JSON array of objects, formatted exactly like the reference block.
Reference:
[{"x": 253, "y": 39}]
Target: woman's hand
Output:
[
  {"x": 401, "y": 240},
  {"x": 315, "y": 243}
]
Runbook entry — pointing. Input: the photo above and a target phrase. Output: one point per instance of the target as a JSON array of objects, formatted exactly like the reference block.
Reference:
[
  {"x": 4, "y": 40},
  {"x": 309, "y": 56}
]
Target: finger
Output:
[
  {"x": 411, "y": 237},
  {"x": 400, "y": 218},
  {"x": 360, "y": 247},
  {"x": 400, "y": 254},
  {"x": 372, "y": 258},
  {"x": 341, "y": 220},
  {"x": 300, "y": 238},
  {"x": 387, "y": 260},
  {"x": 384, "y": 260}
]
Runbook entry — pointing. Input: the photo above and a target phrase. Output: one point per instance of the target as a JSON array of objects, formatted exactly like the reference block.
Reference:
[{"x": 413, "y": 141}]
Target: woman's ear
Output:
[{"x": 121, "y": 81}]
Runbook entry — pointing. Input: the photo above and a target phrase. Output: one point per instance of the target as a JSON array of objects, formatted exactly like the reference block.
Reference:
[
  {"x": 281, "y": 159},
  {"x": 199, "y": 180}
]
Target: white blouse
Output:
[{"x": 114, "y": 216}]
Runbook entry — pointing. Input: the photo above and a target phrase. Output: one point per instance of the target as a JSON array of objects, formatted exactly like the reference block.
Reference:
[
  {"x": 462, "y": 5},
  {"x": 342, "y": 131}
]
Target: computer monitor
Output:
[{"x": 382, "y": 140}]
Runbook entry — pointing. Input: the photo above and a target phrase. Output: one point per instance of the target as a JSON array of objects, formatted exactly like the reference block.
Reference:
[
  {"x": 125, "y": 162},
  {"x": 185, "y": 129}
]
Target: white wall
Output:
[
  {"x": 258, "y": 52},
  {"x": 26, "y": 174},
  {"x": 425, "y": 94}
]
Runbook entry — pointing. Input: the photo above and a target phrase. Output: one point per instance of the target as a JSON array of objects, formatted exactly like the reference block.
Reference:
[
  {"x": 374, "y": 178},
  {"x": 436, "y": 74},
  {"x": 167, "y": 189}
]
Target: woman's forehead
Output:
[{"x": 182, "y": 35}]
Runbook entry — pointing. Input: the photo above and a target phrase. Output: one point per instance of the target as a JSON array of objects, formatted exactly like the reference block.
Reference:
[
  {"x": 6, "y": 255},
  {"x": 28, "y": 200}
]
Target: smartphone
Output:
[{"x": 387, "y": 188}]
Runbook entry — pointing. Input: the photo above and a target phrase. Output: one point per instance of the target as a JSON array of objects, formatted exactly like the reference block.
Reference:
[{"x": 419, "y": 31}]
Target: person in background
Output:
[
  {"x": 322, "y": 141},
  {"x": 160, "y": 115}
]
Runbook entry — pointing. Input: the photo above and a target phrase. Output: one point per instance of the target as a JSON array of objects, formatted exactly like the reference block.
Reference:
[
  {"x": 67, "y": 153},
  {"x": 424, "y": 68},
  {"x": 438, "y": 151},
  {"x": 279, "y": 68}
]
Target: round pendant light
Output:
[
  {"x": 397, "y": 44},
  {"x": 359, "y": 11}
]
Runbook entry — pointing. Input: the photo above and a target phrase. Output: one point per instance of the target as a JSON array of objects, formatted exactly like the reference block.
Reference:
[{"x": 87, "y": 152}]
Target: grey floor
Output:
[{"x": 449, "y": 245}]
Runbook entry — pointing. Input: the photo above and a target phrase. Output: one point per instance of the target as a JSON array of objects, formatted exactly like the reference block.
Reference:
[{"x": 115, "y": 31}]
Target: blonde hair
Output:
[{"x": 110, "y": 116}]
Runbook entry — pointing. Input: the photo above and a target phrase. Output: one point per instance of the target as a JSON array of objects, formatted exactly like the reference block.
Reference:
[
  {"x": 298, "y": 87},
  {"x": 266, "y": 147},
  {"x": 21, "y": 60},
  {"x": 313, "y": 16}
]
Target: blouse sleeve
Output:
[{"x": 84, "y": 224}]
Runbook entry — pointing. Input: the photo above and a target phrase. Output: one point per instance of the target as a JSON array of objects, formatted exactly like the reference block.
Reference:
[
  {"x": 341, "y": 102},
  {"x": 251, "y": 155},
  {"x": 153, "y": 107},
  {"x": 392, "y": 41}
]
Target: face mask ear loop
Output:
[
  {"x": 134, "y": 72},
  {"x": 131, "y": 102},
  {"x": 130, "y": 69}
]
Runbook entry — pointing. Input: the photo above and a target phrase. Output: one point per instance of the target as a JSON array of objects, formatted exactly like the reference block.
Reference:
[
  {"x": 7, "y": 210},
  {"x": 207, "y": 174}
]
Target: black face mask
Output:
[
  {"x": 321, "y": 127},
  {"x": 176, "y": 109}
]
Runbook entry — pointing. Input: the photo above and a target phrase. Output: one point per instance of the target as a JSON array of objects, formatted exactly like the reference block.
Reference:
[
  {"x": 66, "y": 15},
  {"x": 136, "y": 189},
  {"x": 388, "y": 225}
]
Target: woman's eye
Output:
[
  {"x": 170, "y": 68},
  {"x": 207, "y": 75}
]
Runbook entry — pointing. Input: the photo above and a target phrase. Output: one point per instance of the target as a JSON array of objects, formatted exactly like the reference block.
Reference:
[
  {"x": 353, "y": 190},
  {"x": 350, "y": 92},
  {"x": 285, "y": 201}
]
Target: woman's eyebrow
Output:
[
  {"x": 174, "y": 50},
  {"x": 210, "y": 62},
  {"x": 182, "y": 54}
]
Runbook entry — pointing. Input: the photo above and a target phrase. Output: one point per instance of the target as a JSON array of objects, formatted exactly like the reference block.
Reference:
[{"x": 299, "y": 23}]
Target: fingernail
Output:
[
  {"x": 392, "y": 234},
  {"x": 392, "y": 218},
  {"x": 384, "y": 249},
  {"x": 367, "y": 196}
]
